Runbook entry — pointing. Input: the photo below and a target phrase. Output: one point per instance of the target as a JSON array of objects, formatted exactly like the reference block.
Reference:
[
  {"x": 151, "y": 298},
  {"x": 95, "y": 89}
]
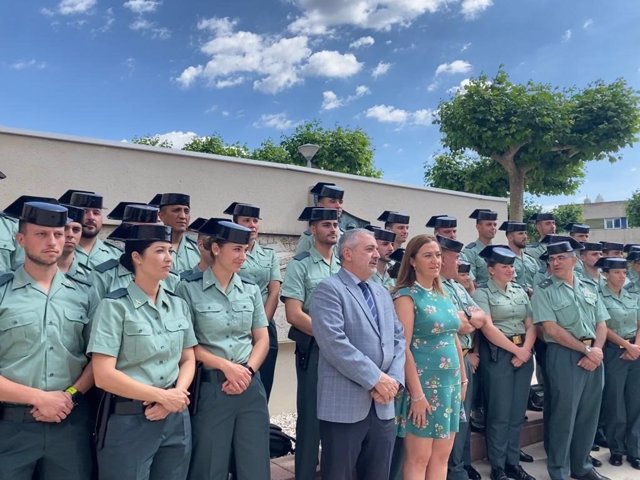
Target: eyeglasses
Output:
[{"x": 559, "y": 258}]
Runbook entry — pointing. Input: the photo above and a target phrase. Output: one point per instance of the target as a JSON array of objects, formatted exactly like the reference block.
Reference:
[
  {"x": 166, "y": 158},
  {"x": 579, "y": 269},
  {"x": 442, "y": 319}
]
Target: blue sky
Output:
[{"x": 254, "y": 69}]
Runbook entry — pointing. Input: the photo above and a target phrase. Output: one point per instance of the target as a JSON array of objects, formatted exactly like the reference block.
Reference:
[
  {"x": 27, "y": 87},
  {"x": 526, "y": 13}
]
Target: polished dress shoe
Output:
[
  {"x": 634, "y": 461},
  {"x": 595, "y": 462},
  {"x": 615, "y": 459},
  {"x": 498, "y": 474},
  {"x": 595, "y": 448},
  {"x": 516, "y": 472},
  {"x": 525, "y": 457},
  {"x": 591, "y": 475},
  {"x": 472, "y": 473}
]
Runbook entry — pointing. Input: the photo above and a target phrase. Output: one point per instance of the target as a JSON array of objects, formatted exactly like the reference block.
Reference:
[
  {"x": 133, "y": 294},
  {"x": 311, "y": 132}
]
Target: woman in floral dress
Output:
[{"x": 428, "y": 411}]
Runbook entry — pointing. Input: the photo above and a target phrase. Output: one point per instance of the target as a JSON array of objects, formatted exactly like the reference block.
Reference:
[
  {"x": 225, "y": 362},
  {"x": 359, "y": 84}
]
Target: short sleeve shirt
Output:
[
  {"x": 471, "y": 254},
  {"x": 508, "y": 308},
  {"x": 464, "y": 302},
  {"x": 624, "y": 311},
  {"x": 100, "y": 253},
  {"x": 186, "y": 256},
  {"x": 261, "y": 267}
]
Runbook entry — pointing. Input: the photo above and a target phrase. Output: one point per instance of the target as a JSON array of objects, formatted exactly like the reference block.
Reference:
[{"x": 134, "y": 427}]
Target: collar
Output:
[
  {"x": 210, "y": 280},
  {"x": 317, "y": 257},
  {"x": 139, "y": 298},
  {"x": 22, "y": 279}
]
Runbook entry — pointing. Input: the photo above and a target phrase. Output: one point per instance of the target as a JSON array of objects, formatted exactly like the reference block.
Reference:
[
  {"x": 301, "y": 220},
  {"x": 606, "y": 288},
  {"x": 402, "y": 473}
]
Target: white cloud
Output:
[
  {"x": 189, "y": 76},
  {"x": 219, "y": 26},
  {"x": 230, "y": 82},
  {"x": 331, "y": 101},
  {"x": 460, "y": 87},
  {"x": 566, "y": 36},
  {"x": 279, "y": 121},
  {"x": 27, "y": 64},
  {"x": 465, "y": 47},
  {"x": 362, "y": 42},
  {"x": 380, "y": 69},
  {"x": 390, "y": 114},
  {"x": 74, "y": 7},
  {"x": 177, "y": 138},
  {"x": 587, "y": 24},
  {"x": 362, "y": 90},
  {"x": 433, "y": 86},
  {"x": 142, "y": 6},
  {"x": 472, "y": 8},
  {"x": 455, "y": 67},
  {"x": 333, "y": 64},
  {"x": 150, "y": 28}
]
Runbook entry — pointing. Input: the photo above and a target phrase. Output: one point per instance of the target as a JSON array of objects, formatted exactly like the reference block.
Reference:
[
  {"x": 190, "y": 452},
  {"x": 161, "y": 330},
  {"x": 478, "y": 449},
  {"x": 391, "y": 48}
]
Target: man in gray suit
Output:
[{"x": 361, "y": 364}]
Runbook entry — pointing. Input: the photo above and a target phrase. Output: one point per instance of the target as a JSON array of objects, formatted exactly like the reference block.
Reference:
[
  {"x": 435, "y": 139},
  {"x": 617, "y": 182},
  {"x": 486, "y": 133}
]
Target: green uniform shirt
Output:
[
  {"x": 634, "y": 286},
  {"x": 307, "y": 241},
  {"x": 508, "y": 309},
  {"x": 223, "y": 320},
  {"x": 100, "y": 253},
  {"x": 526, "y": 268},
  {"x": 261, "y": 267},
  {"x": 385, "y": 280},
  {"x": 589, "y": 280},
  {"x": 463, "y": 301},
  {"x": 536, "y": 250},
  {"x": 624, "y": 311},
  {"x": 186, "y": 256},
  {"x": 43, "y": 336},
  {"x": 471, "y": 253},
  {"x": 577, "y": 309},
  {"x": 304, "y": 272},
  {"x": 147, "y": 339},
  {"x": 77, "y": 271},
  {"x": 11, "y": 254}
]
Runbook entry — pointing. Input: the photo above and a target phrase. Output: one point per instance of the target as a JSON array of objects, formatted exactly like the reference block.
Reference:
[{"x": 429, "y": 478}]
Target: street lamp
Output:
[{"x": 308, "y": 151}]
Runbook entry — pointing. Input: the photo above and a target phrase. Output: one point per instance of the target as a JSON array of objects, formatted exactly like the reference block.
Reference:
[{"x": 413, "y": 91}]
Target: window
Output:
[{"x": 615, "y": 223}]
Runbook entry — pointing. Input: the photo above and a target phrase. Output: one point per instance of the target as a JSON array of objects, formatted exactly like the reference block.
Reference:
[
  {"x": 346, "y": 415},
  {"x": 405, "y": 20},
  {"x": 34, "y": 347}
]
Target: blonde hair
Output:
[{"x": 407, "y": 274}]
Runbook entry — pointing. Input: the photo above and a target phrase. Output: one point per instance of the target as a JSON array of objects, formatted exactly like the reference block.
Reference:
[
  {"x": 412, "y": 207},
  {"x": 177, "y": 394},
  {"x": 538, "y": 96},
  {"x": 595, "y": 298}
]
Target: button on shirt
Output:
[
  {"x": 508, "y": 309},
  {"x": 261, "y": 267},
  {"x": 223, "y": 320},
  {"x": 624, "y": 311},
  {"x": 43, "y": 336},
  {"x": 146, "y": 338},
  {"x": 9, "y": 249},
  {"x": 100, "y": 253}
]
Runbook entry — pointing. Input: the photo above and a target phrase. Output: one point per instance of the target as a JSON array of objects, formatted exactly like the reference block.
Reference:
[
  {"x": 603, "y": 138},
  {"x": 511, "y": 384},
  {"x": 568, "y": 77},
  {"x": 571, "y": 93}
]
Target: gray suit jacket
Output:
[{"x": 354, "y": 350}]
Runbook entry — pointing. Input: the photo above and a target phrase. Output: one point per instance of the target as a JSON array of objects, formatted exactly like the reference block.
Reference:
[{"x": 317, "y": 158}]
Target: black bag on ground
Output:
[
  {"x": 280, "y": 444},
  {"x": 536, "y": 398}
]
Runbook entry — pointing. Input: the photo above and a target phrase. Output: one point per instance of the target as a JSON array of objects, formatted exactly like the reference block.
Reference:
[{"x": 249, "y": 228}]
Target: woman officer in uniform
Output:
[
  {"x": 141, "y": 345},
  {"x": 263, "y": 269},
  {"x": 231, "y": 328},
  {"x": 621, "y": 395},
  {"x": 505, "y": 361}
]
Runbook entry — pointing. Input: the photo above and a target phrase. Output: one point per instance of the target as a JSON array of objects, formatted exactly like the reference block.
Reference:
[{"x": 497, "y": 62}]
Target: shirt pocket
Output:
[
  {"x": 19, "y": 335},
  {"x": 566, "y": 312},
  {"x": 138, "y": 341},
  {"x": 175, "y": 332},
  {"x": 6, "y": 245},
  {"x": 75, "y": 321},
  {"x": 243, "y": 315}
]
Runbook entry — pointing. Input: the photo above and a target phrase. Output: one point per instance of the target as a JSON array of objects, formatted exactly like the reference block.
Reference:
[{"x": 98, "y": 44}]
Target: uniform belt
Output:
[
  {"x": 213, "y": 376},
  {"x": 587, "y": 341},
  {"x": 630, "y": 340},
  {"x": 516, "y": 340},
  {"x": 16, "y": 413},
  {"x": 126, "y": 406}
]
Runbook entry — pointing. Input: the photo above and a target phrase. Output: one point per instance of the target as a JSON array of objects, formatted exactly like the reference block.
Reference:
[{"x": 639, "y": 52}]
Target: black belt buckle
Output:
[
  {"x": 213, "y": 376},
  {"x": 126, "y": 406}
]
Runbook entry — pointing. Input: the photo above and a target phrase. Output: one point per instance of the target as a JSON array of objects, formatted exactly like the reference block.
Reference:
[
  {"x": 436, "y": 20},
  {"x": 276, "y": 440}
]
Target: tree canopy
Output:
[
  {"x": 633, "y": 210},
  {"x": 564, "y": 214},
  {"x": 540, "y": 136}
]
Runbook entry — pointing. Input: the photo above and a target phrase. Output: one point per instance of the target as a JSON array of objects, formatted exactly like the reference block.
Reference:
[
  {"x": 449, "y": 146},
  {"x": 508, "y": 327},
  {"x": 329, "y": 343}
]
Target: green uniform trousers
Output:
[
  {"x": 225, "y": 421},
  {"x": 31, "y": 450},
  {"x": 573, "y": 408},
  {"x": 138, "y": 449},
  {"x": 506, "y": 390},
  {"x": 307, "y": 424},
  {"x": 621, "y": 402},
  {"x": 268, "y": 367},
  {"x": 461, "y": 451}
]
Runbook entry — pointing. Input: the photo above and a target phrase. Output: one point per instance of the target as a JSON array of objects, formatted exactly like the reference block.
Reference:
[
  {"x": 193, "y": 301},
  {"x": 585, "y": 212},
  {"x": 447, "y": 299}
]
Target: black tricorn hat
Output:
[
  {"x": 397, "y": 255},
  {"x": 389, "y": 216},
  {"x": 553, "y": 238},
  {"x": 243, "y": 210},
  {"x": 196, "y": 224},
  {"x": 14, "y": 210},
  {"x": 630, "y": 247},
  {"x": 592, "y": 246},
  {"x": 464, "y": 267},
  {"x": 86, "y": 200},
  {"x": 577, "y": 228},
  {"x": 233, "y": 233},
  {"x": 44, "y": 214},
  {"x": 134, "y": 213},
  {"x": 612, "y": 246},
  {"x": 634, "y": 256},
  {"x": 149, "y": 232},
  {"x": 541, "y": 217},
  {"x": 484, "y": 214},
  {"x": 510, "y": 226},
  {"x": 567, "y": 245},
  {"x": 74, "y": 214},
  {"x": 162, "y": 199},
  {"x": 609, "y": 263},
  {"x": 381, "y": 234},
  {"x": 211, "y": 225},
  {"x": 324, "y": 189},
  {"x": 65, "y": 199},
  {"x": 442, "y": 221},
  {"x": 499, "y": 254},
  {"x": 118, "y": 212},
  {"x": 314, "y": 214},
  {"x": 449, "y": 244}
]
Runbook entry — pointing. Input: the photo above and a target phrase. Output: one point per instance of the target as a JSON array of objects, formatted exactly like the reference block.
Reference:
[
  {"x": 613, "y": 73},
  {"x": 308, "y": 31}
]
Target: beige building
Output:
[
  {"x": 608, "y": 222},
  {"x": 47, "y": 165}
]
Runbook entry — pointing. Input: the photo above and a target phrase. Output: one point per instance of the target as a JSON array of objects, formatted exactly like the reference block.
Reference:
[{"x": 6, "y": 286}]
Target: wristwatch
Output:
[{"x": 587, "y": 349}]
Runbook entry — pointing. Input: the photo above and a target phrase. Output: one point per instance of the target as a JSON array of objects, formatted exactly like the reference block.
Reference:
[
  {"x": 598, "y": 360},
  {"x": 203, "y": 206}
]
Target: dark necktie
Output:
[{"x": 366, "y": 291}]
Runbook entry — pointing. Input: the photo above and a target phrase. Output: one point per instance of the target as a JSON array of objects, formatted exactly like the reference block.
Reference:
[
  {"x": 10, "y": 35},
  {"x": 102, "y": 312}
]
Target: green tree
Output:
[
  {"x": 270, "y": 152},
  {"x": 541, "y": 136},
  {"x": 633, "y": 209},
  {"x": 214, "y": 144},
  {"x": 566, "y": 214},
  {"x": 530, "y": 209},
  {"x": 153, "y": 141}
]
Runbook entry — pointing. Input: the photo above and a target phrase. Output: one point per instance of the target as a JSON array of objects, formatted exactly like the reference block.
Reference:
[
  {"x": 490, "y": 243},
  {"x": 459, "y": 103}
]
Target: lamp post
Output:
[{"x": 308, "y": 151}]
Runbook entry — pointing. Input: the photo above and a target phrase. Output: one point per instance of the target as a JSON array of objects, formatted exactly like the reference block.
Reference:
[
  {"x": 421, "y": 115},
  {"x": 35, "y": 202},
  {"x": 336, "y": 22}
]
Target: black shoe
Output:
[
  {"x": 516, "y": 472},
  {"x": 601, "y": 439},
  {"x": 595, "y": 462},
  {"x": 595, "y": 448},
  {"x": 634, "y": 461},
  {"x": 615, "y": 459},
  {"x": 498, "y": 474},
  {"x": 525, "y": 457},
  {"x": 591, "y": 475},
  {"x": 472, "y": 473}
]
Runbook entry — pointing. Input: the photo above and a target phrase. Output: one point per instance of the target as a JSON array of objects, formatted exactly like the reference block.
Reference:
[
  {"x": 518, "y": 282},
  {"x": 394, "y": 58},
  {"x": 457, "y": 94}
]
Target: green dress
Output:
[{"x": 434, "y": 350}]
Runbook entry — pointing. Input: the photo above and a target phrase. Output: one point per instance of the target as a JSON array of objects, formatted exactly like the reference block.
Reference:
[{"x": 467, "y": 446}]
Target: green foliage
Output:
[
  {"x": 566, "y": 214},
  {"x": 530, "y": 209},
  {"x": 214, "y": 144},
  {"x": 270, "y": 152},
  {"x": 633, "y": 210},
  {"x": 153, "y": 141}
]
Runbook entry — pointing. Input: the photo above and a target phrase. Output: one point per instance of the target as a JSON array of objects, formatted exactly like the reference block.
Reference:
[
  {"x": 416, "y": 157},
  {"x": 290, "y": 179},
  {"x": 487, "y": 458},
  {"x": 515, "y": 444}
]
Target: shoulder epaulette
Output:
[
  {"x": 185, "y": 274},
  {"x": 471, "y": 245},
  {"x": 247, "y": 282},
  {"x": 189, "y": 239},
  {"x": 193, "y": 277},
  {"x": 307, "y": 232},
  {"x": 266, "y": 248},
  {"x": 483, "y": 285},
  {"x": 113, "y": 245},
  {"x": 533, "y": 245},
  {"x": 119, "y": 293},
  {"x": 6, "y": 278},
  {"x": 302, "y": 255},
  {"x": 81, "y": 281},
  {"x": 108, "y": 265},
  {"x": 545, "y": 283}
]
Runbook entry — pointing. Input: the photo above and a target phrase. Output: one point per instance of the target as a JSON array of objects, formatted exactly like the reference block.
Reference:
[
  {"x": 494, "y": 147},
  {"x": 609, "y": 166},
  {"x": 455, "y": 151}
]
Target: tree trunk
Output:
[{"x": 516, "y": 195}]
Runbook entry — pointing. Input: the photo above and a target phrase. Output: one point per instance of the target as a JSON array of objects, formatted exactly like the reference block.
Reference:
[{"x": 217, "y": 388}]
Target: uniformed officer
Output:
[
  {"x": 506, "y": 364},
  {"x": 612, "y": 249},
  {"x": 303, "y": 274},
  {"x": 464, "y": 276},
  {"x": 487, "y": 226},
  {"x": 589, "y": 256},
  {"x": 525, "y": 265},
  {"x": 545, "y": 225},
  {"x": 326, "y": 195},
  {"x": 91, "y": 250},
  {"x": 444, "y": 225},
  {"x": 385, "y": 240},
  {"x": 68, "y": 262},
  {"x": 578, "y": 231},
  {"x": 206, "y": 259},
  {"x": 632, "y": 276},
  {"x": 175, "y": 211},
  {"x": 263, "y": 269},
  {"x": 543, "y": 273},
  {"x": 633, "y": 259},
  {"x": 142, "y": 344},
  {"x": 397, "y": 223},
  {"x": 231, "y": 328},
  {"x": 573, "y": 318},
  {"x": 44, "y": 327},
  {"x": 621, "y": 395}
]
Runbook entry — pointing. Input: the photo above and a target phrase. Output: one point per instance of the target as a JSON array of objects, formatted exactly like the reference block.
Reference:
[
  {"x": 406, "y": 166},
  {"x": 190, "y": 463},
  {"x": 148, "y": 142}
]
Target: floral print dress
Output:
[{"x": 433, "y": 347}]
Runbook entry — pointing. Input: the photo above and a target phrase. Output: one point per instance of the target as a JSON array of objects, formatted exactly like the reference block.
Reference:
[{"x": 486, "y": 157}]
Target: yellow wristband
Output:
[{"x": 71, "y": 390}]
